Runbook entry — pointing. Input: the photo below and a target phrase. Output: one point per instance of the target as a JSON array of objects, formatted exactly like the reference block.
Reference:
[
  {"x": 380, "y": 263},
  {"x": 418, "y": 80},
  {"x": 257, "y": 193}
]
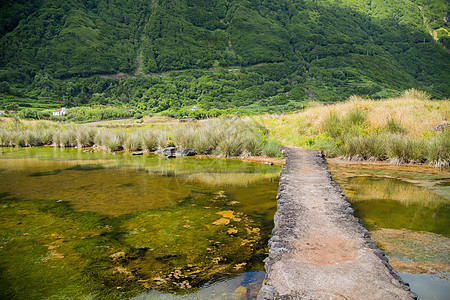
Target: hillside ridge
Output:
[{"x": 313, "y": 50}]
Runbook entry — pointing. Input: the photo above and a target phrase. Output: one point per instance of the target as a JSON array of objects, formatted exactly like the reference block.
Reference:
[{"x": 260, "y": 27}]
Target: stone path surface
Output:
[{"x": 318, "y": 249}]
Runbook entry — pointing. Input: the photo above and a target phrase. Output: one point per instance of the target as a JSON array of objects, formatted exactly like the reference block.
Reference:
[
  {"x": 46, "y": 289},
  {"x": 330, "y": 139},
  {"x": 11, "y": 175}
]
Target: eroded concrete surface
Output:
[{"x": 318, "y": 249}]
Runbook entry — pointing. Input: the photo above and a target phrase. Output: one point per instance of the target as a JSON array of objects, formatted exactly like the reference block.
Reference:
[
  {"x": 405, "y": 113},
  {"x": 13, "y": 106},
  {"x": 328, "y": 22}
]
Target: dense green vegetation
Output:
[{"x": 261, "y": 55}]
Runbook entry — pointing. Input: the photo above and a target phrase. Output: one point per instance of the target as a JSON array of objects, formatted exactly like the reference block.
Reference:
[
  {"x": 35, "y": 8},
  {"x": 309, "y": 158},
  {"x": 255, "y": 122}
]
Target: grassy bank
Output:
[
  {"x": 400, "y": 130},
  {"x": 408, "y": 129},
  {"x": 223, "y": 137}
]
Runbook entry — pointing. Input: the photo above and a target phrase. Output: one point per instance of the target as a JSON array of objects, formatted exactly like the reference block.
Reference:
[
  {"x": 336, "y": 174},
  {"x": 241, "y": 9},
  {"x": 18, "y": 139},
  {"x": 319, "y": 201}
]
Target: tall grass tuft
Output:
[
  {"x": 17, "y": 138},
  {"x": 354, "y": 148},
  {"x": 5, "y": 137},
  {"x": 438, "y": 153},
  {"x": 84, "y": 136},
  {"x": 112, "y": 143},
  {"x": 163, "y": 137},
  {"x": 416, "y": 94},
  {"x": 133, "y": 141},
  {"x": 375, "y": 147},
  {"x": 231, "y": 143},
  {"x": 108, "y": 139},
  {"x": 46, "y": 135},
  {"x": 356, "y": 117},
  {"x": 272, "y": 147},
  {"x": 149, "y": 140},
  {"x": 327, "y": 145},
  {"x": 394, "y": 126},
  {"x": 64, "y": 138},
  {"x": 332, "y": 126},
  {"x": 398, "y": 149},
  {"x": 31, "y": 138},
  {"x": 185, "y": 136},
  {"x": 252, "y": 142}
]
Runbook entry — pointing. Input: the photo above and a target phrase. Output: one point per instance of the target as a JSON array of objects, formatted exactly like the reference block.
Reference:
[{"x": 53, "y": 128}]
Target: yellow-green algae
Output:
[
  {"x": 94, "y": 225},
  {"x": 407, "y": 209}
]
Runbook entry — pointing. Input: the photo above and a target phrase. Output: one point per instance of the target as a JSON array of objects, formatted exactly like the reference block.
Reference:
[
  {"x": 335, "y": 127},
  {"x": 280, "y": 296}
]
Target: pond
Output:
[
  {"x": 97, "y": 225},
  {"x": 407, "y": 209}
]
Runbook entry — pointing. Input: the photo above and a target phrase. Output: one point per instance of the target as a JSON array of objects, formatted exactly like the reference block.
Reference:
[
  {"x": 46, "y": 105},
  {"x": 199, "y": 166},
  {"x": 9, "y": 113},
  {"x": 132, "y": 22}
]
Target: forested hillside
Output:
[{"x": 259, "y": 54}]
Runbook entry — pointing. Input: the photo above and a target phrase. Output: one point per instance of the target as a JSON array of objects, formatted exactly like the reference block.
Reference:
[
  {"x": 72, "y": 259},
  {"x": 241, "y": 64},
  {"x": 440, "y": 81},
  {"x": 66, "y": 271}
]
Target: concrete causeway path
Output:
[{"x": 318, "y": 249}]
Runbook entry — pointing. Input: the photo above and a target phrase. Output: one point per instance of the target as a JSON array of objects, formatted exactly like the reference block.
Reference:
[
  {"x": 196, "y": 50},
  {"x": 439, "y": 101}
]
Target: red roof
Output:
[{"x": 58, "y": 110}]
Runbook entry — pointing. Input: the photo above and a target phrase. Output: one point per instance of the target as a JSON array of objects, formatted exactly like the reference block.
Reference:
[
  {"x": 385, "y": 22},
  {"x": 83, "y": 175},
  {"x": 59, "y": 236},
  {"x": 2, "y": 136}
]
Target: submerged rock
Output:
[
  {"x": 88, "y": 151},
  {"x": 222, "y": 221},
  {"x": 118, "y": 256},
  {"x": 136, "y": 153},
  {"x": 240, "y": 293}
]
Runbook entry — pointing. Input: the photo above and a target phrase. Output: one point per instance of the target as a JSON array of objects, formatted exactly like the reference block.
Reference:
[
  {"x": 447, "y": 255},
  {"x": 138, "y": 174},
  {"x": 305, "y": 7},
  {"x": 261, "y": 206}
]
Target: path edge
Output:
[{"x": 278, "y": 245}]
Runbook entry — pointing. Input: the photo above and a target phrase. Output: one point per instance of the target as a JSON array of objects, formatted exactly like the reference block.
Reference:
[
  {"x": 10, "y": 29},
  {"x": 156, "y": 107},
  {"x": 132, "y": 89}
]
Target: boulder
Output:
[
  {"x": 188, "y": 152},
  {"x": 169, "y": 152},
  {"x": 136, "y": 153}
]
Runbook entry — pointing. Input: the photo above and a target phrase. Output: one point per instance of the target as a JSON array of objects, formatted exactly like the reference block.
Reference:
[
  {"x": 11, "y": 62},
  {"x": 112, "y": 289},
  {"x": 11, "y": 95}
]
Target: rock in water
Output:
[
  {"x": 188, "y": 152},
  {"x": 169, "y": 152},
  {"x": 136, "y": 153}
]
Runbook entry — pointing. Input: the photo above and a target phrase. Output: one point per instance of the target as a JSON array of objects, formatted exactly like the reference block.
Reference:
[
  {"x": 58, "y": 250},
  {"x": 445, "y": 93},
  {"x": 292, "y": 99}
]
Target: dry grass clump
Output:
[
  {"x": 225, "y": 137},
  {"x": 400, "y": 130},
  {"x": 416, "y": 116}
]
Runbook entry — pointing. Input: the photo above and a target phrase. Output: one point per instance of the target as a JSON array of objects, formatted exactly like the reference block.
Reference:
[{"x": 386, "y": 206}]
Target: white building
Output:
[{"x": 60, "y": 112}]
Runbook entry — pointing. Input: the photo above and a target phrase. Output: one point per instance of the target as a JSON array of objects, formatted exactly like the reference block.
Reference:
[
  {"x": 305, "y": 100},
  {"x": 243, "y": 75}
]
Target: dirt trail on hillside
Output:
[{"x": 318, "y": 249}]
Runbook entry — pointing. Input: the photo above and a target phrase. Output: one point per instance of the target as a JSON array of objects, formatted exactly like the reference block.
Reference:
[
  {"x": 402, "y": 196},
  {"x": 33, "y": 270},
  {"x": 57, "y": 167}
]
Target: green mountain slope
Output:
[{"x": 287, "y": 51}]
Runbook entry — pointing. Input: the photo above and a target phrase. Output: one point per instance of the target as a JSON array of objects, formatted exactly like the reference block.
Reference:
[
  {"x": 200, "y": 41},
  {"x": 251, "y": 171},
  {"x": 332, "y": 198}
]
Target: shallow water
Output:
[
  {"x": 97, "y": 225},
  {"x": 407, "y": 209}
]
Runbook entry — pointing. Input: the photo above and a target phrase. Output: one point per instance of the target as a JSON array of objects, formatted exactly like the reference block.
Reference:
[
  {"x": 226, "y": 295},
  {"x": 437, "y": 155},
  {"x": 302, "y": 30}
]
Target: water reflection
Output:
[
  {"x": 77, "y": 224},
  {"x": 407, "y": 208}
]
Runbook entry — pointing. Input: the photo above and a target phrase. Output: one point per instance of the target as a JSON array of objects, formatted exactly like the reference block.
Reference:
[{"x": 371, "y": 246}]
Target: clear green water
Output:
[
  {"x": 407, "y": 209},
  {"x": 103, "y": 226}
]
